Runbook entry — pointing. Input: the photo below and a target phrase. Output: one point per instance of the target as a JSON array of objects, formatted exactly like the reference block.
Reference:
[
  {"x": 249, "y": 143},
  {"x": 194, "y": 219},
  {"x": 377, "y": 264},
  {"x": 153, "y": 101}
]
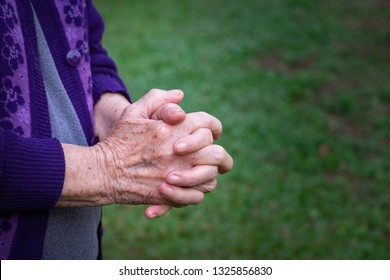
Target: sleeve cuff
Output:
[
  {"x": 106, "y": 83},
  {"x": 33, "y": 172}
]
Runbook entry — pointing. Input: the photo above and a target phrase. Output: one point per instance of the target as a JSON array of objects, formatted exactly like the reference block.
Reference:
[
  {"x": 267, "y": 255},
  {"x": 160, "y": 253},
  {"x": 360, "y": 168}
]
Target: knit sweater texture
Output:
[{"x": 32, "y": 164}]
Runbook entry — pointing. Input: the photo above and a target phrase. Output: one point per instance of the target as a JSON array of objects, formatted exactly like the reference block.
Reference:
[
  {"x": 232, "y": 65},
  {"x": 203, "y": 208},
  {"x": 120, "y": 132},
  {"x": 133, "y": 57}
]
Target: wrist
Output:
[
  {"x": 85, "y": 180},
  {"x": 107, "y": 111}
]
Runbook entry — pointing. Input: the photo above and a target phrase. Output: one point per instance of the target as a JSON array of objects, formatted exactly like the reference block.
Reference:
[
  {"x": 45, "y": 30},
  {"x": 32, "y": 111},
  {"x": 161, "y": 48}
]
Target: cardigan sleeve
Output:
[
  {"x": 32, "y": 172},
  {"x": 105, "y": 76}
]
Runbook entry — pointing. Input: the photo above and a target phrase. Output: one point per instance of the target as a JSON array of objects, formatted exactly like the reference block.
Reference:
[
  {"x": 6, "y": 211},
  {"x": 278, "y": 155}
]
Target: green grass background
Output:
[{"x": 302, "y": 88}]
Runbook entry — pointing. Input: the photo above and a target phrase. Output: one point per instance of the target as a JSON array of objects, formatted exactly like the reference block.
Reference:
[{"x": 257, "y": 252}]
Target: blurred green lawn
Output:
[{"x": 303, "y": 90}]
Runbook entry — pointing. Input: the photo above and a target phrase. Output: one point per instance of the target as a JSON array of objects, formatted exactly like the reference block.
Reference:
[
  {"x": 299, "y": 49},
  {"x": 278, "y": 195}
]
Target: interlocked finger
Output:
[
  {"x": 204, "y": 120},
  {"x": 181, "y": 197},
  {"x": 212, "y": 155},
  {"x": 197, "y": 140},
  {"x": 197, "y": 175}
]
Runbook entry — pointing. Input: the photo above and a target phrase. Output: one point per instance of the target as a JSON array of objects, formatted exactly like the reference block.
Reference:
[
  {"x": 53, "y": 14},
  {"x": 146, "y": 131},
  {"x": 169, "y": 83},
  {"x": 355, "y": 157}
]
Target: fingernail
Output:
[
  {"x": 174, "y": 179},
  {"x": 181, "y": 147},
  {"x": 179, "y": 110},
  {"x": 167, "y": 189},
  {"x": 152, "y": 215}
]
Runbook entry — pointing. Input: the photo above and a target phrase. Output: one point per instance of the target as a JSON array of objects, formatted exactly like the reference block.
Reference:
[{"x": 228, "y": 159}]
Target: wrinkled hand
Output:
[
  {"x": 200, "y": 177},
  {"x": 140, "y": 154}
]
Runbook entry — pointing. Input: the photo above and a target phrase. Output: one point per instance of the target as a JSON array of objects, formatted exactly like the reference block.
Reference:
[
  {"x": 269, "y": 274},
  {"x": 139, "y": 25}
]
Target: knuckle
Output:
[
  {"x": 209, "y": 137},
  {"x": 205, "y": 117},
  {"x": 154, "y": 91},
  {"x": 219, "y": 153},
  {"x": 208, "y": 187},
  {"x": 215, "y": 173},
  {"x": 212, "y": 173},
  {"x": 212, "y": 186},
  {"x": 201, "y": 114},
  {"x": 213, "y": 123},
  {"x": 162, "y": 131},
  {"x": 217, "y": 127},
  {"x": 217, "y": 122},
  {"x": 205, "y": 136}
]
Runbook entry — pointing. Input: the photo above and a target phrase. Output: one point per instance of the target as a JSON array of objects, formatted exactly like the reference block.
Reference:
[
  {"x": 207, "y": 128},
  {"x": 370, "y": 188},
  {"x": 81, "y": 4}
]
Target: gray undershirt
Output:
[{"x": 72, "y": 233}]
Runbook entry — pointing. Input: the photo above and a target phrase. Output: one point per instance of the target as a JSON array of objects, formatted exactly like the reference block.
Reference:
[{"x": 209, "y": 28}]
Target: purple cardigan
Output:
[{"x": 32, "y": 164}]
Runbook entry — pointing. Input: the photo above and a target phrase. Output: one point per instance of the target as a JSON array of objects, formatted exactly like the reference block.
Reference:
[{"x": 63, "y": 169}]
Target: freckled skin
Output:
[{"x": 151, "y": 158}]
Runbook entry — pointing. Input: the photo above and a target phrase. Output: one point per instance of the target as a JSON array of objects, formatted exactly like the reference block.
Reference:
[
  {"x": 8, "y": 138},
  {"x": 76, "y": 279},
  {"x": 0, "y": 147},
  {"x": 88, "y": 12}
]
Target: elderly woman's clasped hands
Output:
[{"x": 156, "y": 154}]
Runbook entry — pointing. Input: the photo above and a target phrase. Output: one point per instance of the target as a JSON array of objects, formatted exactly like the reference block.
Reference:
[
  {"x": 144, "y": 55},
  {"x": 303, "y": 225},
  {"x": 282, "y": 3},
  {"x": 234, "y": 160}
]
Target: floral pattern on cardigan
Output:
[
  {"x": 13, "y": 93},
  {"x": 32, "y": 164}
]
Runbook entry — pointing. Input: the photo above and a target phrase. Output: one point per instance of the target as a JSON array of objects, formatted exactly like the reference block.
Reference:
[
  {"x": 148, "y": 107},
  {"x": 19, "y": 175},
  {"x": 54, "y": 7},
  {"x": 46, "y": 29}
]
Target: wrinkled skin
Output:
[{"x": 140, "y": 156}]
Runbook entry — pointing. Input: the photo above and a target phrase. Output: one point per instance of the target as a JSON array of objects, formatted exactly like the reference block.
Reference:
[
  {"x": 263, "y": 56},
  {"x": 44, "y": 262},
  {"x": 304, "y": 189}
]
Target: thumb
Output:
[
  {"x": 147, "y": 106},
  {"x": 169, "y": 113},
  {"x": 156, "y": 211}
]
